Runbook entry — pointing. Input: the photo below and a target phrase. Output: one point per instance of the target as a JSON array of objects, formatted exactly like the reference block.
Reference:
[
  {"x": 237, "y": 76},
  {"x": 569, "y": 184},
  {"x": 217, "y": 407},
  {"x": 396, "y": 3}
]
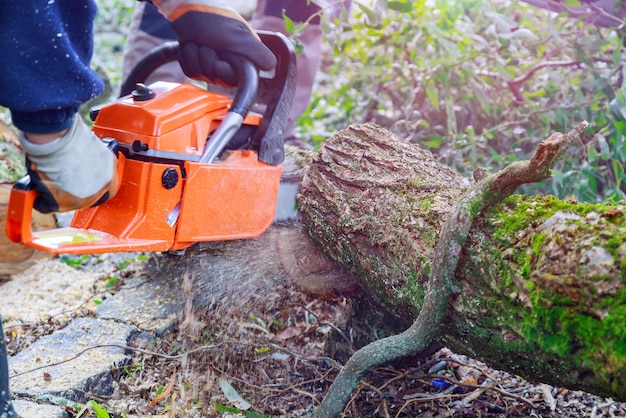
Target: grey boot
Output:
[{"x": 6, "y": 404}]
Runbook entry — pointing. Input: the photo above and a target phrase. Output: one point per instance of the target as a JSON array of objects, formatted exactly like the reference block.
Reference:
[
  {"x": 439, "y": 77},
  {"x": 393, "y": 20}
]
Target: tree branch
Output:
[{"x": 516, "y": 83}]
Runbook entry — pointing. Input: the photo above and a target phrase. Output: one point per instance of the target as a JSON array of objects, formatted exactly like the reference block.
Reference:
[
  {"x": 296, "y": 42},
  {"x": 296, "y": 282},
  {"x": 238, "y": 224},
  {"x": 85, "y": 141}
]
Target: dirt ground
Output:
[{"x": 262, "y": 350}]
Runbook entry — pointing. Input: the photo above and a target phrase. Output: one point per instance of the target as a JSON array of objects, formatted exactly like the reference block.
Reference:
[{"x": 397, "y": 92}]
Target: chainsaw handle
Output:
[
  {"x": 276, "y": 90},
  {"x": 158, "y": 56},
  {"x": 168, "y": 52},
  {"x": 244, "y": 98},
  {"x": 19, "y": 213}
]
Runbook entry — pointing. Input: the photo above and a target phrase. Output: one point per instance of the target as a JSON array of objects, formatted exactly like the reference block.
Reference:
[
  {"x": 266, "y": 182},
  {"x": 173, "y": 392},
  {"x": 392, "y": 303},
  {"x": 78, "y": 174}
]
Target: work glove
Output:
[
  {"x": 72, "y": 172},
  {"x": 206, "y": 32}
]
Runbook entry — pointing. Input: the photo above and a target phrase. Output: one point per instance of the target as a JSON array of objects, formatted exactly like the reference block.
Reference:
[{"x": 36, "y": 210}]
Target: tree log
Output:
[{"x": 540, "y": 283}]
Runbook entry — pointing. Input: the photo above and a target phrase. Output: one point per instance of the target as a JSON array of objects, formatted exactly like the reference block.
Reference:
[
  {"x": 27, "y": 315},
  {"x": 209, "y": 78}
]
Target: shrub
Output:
[{"x": 480, "y": 83}]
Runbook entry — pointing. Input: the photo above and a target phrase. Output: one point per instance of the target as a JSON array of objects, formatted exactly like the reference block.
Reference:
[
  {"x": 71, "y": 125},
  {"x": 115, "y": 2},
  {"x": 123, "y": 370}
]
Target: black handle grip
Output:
[{"x": 275, "y": 91}]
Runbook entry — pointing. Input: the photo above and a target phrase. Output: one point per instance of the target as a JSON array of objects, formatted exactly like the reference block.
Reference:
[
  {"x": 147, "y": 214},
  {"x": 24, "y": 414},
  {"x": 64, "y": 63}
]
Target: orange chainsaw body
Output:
[
  {"x": 232, "y": 198},
  {"x": 194, "y": 165}
]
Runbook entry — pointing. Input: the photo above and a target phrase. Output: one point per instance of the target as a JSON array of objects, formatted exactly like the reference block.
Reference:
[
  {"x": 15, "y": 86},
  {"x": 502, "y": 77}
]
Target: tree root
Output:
[{"x": 488, "y": 190}]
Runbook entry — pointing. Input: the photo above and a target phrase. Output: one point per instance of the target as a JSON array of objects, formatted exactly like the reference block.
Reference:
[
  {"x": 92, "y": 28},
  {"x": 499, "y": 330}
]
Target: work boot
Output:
[
  {"x": 74, "y": 171},
  {"x": 6, "y": 404}
]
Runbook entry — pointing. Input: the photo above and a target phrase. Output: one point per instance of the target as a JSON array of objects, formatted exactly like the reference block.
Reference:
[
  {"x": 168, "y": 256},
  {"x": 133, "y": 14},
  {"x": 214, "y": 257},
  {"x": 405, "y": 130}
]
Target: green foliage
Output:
[
  {"x": 480, "y": 84},
  {"x": 223, "y": 409},
  {"x": 100, "y": 411},
  {"x": 131, "y": 371},
  {"x": 112, "y": 281},
  {"x": 111, "y": 26},
  {"x": 92, "y": 405},
  {"x": 74, "y": 260},
  {"x": 143, "y": 257}
]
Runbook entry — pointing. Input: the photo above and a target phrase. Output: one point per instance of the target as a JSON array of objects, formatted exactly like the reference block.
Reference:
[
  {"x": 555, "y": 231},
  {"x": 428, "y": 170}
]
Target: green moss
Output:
[
  {"x": 505, "y": 278},
  {"x": 597, "y": 344},
  {"x": 517, "y": 212},
  {"x": 476, "y": 206},
  {"x": 537, "y": 242},
  {"x": 585, "y": 330},
  {"x": 507, "y": 222},
  {"x": 581, "y": 341},
  {"x": 415, "y": 182},
  {"x": 613, "y": 244},
  {"x": 426, "y": 203},
  {"x": 413, "y": 291}
]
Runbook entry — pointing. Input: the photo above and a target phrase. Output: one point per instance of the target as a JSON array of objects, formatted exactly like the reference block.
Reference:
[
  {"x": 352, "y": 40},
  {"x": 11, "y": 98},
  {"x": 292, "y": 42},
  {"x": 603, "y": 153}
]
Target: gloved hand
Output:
[
  {"x": 72, "y": 172},
  {"x": 205, "y": 34}
]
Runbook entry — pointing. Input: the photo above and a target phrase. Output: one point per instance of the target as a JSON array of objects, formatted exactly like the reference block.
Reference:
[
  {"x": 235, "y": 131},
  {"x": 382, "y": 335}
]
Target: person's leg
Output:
[
  {"x": 6, "y": 404},
  {"x": 149, "y": 29},
  {"x": 268, "y": 16}
]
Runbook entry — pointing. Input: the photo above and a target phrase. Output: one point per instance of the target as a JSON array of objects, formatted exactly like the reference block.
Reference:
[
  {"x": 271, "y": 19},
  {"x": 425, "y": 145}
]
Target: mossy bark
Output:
[{"x": 540, "y": 284}]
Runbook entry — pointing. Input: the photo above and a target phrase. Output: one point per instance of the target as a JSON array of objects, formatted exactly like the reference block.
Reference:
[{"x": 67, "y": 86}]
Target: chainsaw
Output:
[{"x": 195, "y": 165}]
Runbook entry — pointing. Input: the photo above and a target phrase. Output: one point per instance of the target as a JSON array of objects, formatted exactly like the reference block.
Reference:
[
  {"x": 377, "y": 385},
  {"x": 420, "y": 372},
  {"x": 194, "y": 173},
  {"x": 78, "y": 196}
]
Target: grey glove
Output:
[{"x": 72, "y": 172}]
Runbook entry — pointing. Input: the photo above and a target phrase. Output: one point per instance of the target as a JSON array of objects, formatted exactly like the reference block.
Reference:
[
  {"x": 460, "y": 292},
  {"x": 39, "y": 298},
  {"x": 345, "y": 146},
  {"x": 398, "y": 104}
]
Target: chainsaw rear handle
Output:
[
  {"x": 168, "y": 52},
  {"x": 276, "y": 91},
  {"x": 248, "y": 84},
  {"x": 157, "y": 57}
]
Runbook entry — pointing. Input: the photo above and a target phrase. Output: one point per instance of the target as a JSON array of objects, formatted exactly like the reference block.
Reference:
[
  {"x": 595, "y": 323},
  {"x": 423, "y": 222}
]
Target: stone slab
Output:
[
  {"x": 69, "y": 376},
  {"x": 148, "y": 305},
  {"x": 28, "y": 409}
]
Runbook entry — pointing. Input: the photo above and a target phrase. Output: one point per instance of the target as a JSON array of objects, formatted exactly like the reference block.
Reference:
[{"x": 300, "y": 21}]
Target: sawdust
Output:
[{"x": 49, "y": 288}]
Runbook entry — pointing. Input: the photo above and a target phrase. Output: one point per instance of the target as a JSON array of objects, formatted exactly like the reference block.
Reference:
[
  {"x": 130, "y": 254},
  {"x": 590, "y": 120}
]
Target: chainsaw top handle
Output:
[
  {"x": 168, "y": 52},
  {"x": 276, "y": 90}
]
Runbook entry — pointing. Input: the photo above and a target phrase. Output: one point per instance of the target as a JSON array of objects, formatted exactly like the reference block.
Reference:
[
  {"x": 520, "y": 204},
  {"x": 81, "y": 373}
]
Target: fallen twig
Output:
[
  {"x": 165, "y": 392},
  {"x": 124, "y": 347}
]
